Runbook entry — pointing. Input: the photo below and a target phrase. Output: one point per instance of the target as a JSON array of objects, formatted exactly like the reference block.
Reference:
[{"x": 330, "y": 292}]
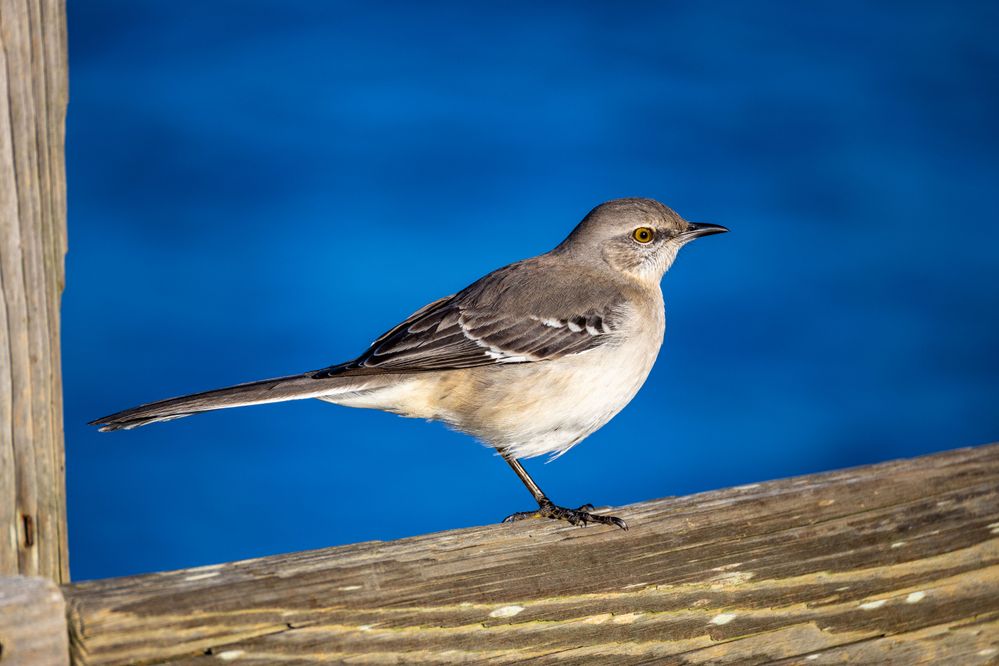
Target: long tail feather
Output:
[{"x": 294, "y": 387}]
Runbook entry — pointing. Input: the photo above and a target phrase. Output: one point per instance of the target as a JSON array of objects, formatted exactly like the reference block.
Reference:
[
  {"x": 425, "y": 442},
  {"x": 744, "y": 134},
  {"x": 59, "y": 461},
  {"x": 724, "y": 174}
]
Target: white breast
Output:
[{"x": 546, "y": 408}]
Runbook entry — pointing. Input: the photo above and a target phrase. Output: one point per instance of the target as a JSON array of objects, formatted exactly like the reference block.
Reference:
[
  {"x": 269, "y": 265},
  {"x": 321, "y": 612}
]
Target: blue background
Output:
[{"x": 260, "y": 188}]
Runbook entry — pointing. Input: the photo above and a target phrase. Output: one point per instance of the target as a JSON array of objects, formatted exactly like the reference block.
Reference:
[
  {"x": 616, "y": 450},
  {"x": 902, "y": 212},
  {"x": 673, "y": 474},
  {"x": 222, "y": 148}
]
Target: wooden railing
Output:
[{"x": 896, "y": 563}]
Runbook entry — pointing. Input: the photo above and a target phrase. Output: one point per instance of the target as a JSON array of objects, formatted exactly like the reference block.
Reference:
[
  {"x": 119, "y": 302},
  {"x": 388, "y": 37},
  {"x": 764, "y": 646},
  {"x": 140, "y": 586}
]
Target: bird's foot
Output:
[{"x": 580, "y": 516}]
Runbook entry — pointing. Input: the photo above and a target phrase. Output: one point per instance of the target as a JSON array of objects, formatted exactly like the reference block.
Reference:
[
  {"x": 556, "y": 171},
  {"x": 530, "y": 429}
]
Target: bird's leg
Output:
[{"x": 548, "y": 509}]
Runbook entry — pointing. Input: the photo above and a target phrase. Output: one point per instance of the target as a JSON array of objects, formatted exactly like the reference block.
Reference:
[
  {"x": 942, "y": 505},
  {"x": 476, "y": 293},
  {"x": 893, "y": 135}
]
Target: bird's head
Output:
[{"x": 637, "y": 237}]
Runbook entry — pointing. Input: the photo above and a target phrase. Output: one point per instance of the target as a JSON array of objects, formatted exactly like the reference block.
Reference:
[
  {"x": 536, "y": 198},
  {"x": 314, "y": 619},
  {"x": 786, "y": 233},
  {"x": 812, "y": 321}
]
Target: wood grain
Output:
[
  {"x": 32, "y": 623},
  {"x": 33, "y": 98},
  {"x": 893, "y": 563}
]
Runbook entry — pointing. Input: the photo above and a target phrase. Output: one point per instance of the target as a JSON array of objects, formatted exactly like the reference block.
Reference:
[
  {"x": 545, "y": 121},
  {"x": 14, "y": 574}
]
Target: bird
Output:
[{"x": 529, "y": 359}]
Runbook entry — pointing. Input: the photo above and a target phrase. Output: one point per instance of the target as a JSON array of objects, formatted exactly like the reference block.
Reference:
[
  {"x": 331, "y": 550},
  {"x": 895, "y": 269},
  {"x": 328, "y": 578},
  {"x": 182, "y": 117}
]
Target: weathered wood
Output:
[
  {"x": 32, "y": 623},
  {"x": 33, "y": 97},
  {"x": 893, "y": 563}
]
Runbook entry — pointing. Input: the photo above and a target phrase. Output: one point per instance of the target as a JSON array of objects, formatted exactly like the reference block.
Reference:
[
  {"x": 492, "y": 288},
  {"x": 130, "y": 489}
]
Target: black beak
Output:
[{"x": 698, "y": 229}]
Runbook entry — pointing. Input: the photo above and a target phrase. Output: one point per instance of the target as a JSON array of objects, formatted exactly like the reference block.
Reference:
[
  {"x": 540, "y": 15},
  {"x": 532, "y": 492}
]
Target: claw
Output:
[
  {"x": 619, "y": 522},
  {"x": 581, "y": 516}
]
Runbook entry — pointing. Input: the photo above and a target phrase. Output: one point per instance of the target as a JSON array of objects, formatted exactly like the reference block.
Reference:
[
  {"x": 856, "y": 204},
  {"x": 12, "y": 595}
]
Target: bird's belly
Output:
[{"x": 538, "y": 408}]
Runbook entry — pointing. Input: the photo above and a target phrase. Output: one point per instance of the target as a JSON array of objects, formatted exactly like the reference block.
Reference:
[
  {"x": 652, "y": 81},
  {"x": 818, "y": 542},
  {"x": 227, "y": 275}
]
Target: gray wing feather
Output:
[
  {"x": 494, "y": 321},
  {"x": 464, "y": 338}
]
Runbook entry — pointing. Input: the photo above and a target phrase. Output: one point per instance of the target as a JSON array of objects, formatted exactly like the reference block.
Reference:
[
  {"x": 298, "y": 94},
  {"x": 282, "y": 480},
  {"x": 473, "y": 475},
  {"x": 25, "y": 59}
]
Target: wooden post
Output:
[
  {"x": 33, "y": 97},
  {"x": 895, "y": 563},
  {"x": 32, "y": 623}
]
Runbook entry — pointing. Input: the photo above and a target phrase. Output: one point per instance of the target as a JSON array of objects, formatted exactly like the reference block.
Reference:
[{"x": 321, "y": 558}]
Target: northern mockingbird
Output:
[{"x": 530, "y": 359}]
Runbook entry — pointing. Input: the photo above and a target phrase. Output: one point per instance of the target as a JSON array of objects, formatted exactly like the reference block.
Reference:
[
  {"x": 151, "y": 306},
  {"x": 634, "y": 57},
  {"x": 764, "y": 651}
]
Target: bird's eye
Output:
[{"x": 643, "y": 234}]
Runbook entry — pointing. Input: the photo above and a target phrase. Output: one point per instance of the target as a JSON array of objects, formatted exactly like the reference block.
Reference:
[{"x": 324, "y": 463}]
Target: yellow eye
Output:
[{"x": 643, "y": 234}]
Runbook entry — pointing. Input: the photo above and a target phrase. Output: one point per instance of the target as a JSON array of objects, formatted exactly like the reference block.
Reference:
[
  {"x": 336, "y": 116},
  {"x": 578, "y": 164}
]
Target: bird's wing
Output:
[{"x": 456, "y": 332}]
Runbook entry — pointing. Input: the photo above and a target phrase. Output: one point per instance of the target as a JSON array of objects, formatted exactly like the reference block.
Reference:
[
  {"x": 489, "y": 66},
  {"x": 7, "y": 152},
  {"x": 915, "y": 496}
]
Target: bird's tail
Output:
[{"x": 293, "y": 387}]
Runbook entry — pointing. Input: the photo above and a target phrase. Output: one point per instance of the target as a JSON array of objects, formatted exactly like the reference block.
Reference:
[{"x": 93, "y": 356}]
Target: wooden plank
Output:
[
  {"x": 32, "y": 623},
  {"x": 883, "y": 564},
  {"x": 33, "y": 97}
]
